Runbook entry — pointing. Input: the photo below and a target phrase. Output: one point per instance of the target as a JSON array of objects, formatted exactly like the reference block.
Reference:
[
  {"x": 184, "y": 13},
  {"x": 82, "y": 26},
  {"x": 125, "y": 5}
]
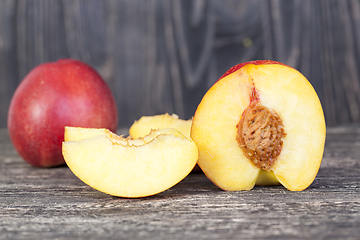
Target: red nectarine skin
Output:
[
  {"x": 54, "y": 95},
  {"x": 255, "y": 62}
]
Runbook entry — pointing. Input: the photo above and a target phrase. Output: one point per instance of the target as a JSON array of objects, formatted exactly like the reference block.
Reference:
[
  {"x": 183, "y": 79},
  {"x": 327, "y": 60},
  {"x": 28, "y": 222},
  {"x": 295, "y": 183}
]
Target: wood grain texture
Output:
[
  {"x": 161, "y": 56},
  {"x": 52, "y": 203}
]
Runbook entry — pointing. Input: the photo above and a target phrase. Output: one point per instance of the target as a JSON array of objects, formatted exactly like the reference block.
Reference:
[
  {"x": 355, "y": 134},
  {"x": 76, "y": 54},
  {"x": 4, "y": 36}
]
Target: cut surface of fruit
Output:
[
  {"x": 293, "y": 138},
  {"x": 128, "y": 167},
  {"x": 79, "y": 133},
  {"x": 145, "y": 124}
]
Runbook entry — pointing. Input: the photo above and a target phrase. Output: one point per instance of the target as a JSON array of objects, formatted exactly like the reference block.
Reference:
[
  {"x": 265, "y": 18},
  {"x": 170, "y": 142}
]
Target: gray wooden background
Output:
[{"x": 162, "y": 55}]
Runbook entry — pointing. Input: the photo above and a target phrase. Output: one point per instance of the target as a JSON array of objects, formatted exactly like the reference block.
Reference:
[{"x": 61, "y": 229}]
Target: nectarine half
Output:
[{"x": 261, "y": 122}]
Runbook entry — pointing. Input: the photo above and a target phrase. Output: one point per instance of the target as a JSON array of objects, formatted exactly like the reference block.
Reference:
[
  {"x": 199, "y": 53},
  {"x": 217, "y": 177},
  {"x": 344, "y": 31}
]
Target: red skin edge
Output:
[{"x": 256, "y": 62}]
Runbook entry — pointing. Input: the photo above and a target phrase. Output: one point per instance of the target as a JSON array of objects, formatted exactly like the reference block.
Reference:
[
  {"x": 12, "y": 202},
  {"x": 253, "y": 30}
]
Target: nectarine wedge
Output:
[
  {"x": 129, "y": 167},
  {"x": 262, "y": 121},
  {"x": 145, "y": 124}
]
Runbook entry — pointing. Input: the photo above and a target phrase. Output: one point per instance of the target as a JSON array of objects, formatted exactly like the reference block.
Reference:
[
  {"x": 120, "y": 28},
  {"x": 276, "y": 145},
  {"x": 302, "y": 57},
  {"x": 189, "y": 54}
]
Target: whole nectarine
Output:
[{"x": 54, "y": 95}]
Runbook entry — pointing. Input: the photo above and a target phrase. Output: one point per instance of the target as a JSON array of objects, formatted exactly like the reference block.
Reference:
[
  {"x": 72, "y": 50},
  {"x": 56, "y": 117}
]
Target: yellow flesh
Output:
[
  {"x": 144, "y": 125},
  {"x": 126, "y": 167},
  {"x": 280, "y": 88}
]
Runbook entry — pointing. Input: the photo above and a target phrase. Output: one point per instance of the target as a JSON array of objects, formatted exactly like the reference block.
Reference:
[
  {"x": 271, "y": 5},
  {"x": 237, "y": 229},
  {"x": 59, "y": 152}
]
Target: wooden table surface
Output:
[{"x": 52, "y": 203}]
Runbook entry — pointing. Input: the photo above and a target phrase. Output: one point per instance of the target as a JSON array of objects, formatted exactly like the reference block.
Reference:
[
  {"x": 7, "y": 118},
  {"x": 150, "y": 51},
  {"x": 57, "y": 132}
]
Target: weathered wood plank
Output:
[{"x": 52, "y": 203}]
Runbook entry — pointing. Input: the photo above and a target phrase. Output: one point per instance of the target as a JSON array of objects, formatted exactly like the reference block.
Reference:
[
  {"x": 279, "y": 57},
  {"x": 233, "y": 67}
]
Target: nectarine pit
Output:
[{"x": 260, "y": 133}]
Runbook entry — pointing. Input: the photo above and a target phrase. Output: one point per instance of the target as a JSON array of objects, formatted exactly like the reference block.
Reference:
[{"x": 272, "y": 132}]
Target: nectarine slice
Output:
[
  {"x": 145, "y": 124},
  {"x": 262, "y": 122},
  {"x": 128, "y": 167}
]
